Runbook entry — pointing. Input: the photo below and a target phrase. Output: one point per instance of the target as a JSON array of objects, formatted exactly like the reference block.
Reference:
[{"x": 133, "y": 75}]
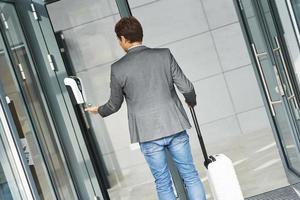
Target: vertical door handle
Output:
[
  {"x": 278, "y": 48},
  {"x": 262, "y": 76}
]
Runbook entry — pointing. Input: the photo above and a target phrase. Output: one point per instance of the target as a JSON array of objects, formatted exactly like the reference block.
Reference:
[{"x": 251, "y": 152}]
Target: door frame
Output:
[{"x": 291, "y": 176}]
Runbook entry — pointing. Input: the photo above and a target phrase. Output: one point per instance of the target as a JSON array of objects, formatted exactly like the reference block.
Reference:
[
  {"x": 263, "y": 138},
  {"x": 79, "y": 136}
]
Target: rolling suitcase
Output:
[{"x": 220, "y": 172}]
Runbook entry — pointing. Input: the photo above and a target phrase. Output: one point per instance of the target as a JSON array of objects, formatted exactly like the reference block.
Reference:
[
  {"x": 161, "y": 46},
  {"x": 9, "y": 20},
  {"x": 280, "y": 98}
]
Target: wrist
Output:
[{"x": 99, "y": 110}]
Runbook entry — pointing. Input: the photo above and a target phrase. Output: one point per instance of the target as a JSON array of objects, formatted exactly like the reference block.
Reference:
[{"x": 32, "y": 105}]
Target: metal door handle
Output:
[
  {"x": 278, "y": 48},
  {"x": 262, "y": 76}
]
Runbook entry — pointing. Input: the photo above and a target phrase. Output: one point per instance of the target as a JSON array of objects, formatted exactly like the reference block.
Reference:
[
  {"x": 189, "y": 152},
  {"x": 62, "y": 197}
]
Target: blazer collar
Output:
[{"x": 137, "y": 48}]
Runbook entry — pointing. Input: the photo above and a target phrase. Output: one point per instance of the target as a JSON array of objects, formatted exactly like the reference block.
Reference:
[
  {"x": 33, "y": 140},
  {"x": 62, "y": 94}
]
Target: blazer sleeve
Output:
[
  {"x": 183, "y": 84},
  {"x": 116, "y": 97}
]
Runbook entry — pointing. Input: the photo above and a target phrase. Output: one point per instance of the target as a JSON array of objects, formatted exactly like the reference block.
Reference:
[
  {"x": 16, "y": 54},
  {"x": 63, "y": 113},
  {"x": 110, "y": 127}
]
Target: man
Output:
[{"x": 157, "y": 120}]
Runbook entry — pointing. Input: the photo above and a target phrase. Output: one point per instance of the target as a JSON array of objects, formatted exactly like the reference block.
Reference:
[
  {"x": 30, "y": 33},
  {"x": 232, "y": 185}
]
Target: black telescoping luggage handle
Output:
[{"x": 207, "y": 159}]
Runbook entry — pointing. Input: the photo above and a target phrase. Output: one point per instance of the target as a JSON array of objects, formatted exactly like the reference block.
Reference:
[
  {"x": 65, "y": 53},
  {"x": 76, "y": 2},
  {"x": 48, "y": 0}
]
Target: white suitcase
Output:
[{"x": 221, "y": 175}]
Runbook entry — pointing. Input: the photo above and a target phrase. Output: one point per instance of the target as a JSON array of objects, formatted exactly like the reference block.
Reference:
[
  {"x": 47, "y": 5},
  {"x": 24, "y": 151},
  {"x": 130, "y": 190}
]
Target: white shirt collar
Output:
[{"x": 137, "y": 45}]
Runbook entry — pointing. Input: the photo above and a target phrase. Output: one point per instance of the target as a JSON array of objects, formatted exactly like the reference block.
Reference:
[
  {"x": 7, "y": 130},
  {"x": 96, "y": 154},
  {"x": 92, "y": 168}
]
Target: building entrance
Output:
[{"x": 276, "y": 76}]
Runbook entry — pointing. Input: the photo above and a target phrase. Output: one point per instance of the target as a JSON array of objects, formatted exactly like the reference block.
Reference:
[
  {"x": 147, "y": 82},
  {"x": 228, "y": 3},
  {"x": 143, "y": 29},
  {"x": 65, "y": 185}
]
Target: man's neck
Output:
[{"x": 133, "y": 45}]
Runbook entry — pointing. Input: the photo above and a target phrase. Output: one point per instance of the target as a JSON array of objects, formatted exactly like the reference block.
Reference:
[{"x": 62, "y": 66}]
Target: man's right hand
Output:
[{"x": 93, "y": 109}]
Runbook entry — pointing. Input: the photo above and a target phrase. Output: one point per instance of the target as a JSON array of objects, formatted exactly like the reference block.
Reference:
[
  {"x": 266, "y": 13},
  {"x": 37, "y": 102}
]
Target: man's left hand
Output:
[{"x": 191, "y": 104}]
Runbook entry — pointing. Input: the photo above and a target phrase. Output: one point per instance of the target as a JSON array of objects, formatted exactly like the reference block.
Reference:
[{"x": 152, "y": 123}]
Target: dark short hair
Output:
[{"x": 130, "y": 28}]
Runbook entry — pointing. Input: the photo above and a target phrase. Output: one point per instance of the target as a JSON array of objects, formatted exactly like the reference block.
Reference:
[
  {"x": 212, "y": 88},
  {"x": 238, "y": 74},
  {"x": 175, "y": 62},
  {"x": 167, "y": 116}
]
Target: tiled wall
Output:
[{"x": 207, "y": 41}]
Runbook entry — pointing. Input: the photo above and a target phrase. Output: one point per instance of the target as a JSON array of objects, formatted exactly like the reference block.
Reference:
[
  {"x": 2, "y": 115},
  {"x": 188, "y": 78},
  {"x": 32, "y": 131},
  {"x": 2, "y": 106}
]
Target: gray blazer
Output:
[{"x": 146, "y": 77}]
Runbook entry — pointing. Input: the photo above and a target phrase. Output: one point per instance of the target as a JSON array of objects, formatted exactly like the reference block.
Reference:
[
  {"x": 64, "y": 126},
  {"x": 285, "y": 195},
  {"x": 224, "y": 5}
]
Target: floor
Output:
[
  {"x": 285, "y": 193},
  {"x": 255, "y": 157}
]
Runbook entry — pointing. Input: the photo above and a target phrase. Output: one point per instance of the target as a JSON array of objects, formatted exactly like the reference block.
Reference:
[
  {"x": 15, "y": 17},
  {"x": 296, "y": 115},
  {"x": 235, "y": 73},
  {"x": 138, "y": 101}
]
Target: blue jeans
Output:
[{"x": 180, "y": 150}]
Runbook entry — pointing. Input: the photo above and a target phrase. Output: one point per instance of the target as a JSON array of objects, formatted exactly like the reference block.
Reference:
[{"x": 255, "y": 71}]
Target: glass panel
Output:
[
  {"x": 40, "y": 135},
  {"x": 5, "y": 192},
  {"x": 290, "y": 143},
  {"x": 280, "y": 60},
  {"x": 260, "y": 39},
  {"x": 11, "y": 163},
  {"x": 296, "y": 9},
  {"x": 10, "y": 175},
  {"x": 261, "y": 47}
]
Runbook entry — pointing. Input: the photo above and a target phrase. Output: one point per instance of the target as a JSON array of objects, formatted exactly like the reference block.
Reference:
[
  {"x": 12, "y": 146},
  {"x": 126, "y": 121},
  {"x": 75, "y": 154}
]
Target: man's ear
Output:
[{"x": 123, "y": 39}]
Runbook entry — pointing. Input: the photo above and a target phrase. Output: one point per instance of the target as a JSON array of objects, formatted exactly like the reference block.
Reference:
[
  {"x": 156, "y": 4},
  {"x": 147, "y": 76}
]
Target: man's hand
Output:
[
  {"x": 93, "y": 109},
  {"x": 191, "y": 104}
]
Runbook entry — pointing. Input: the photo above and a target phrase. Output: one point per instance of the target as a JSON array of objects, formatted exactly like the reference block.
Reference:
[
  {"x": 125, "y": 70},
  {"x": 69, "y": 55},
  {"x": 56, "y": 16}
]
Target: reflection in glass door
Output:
[
  {"x": 14, "y": 182},
  {"x": 273, "y": 72},
  {"x": 35, "y": 130},
  {"x": 5, "y": 192}
]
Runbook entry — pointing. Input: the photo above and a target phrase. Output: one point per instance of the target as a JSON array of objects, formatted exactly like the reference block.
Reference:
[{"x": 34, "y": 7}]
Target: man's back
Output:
[
  {"x": 156, "y": 117},
  {"x": 146, "y": 78}
]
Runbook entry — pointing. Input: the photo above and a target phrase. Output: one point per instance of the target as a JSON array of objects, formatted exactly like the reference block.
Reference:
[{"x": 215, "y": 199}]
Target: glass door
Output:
[
  {"x": 5, "y": 192},
  {"x": 285, "y": 70},
  {"x": 14, "y": 182},
  {"x": 35, "y": 130},
  {"x": 271, "y": 65}
]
